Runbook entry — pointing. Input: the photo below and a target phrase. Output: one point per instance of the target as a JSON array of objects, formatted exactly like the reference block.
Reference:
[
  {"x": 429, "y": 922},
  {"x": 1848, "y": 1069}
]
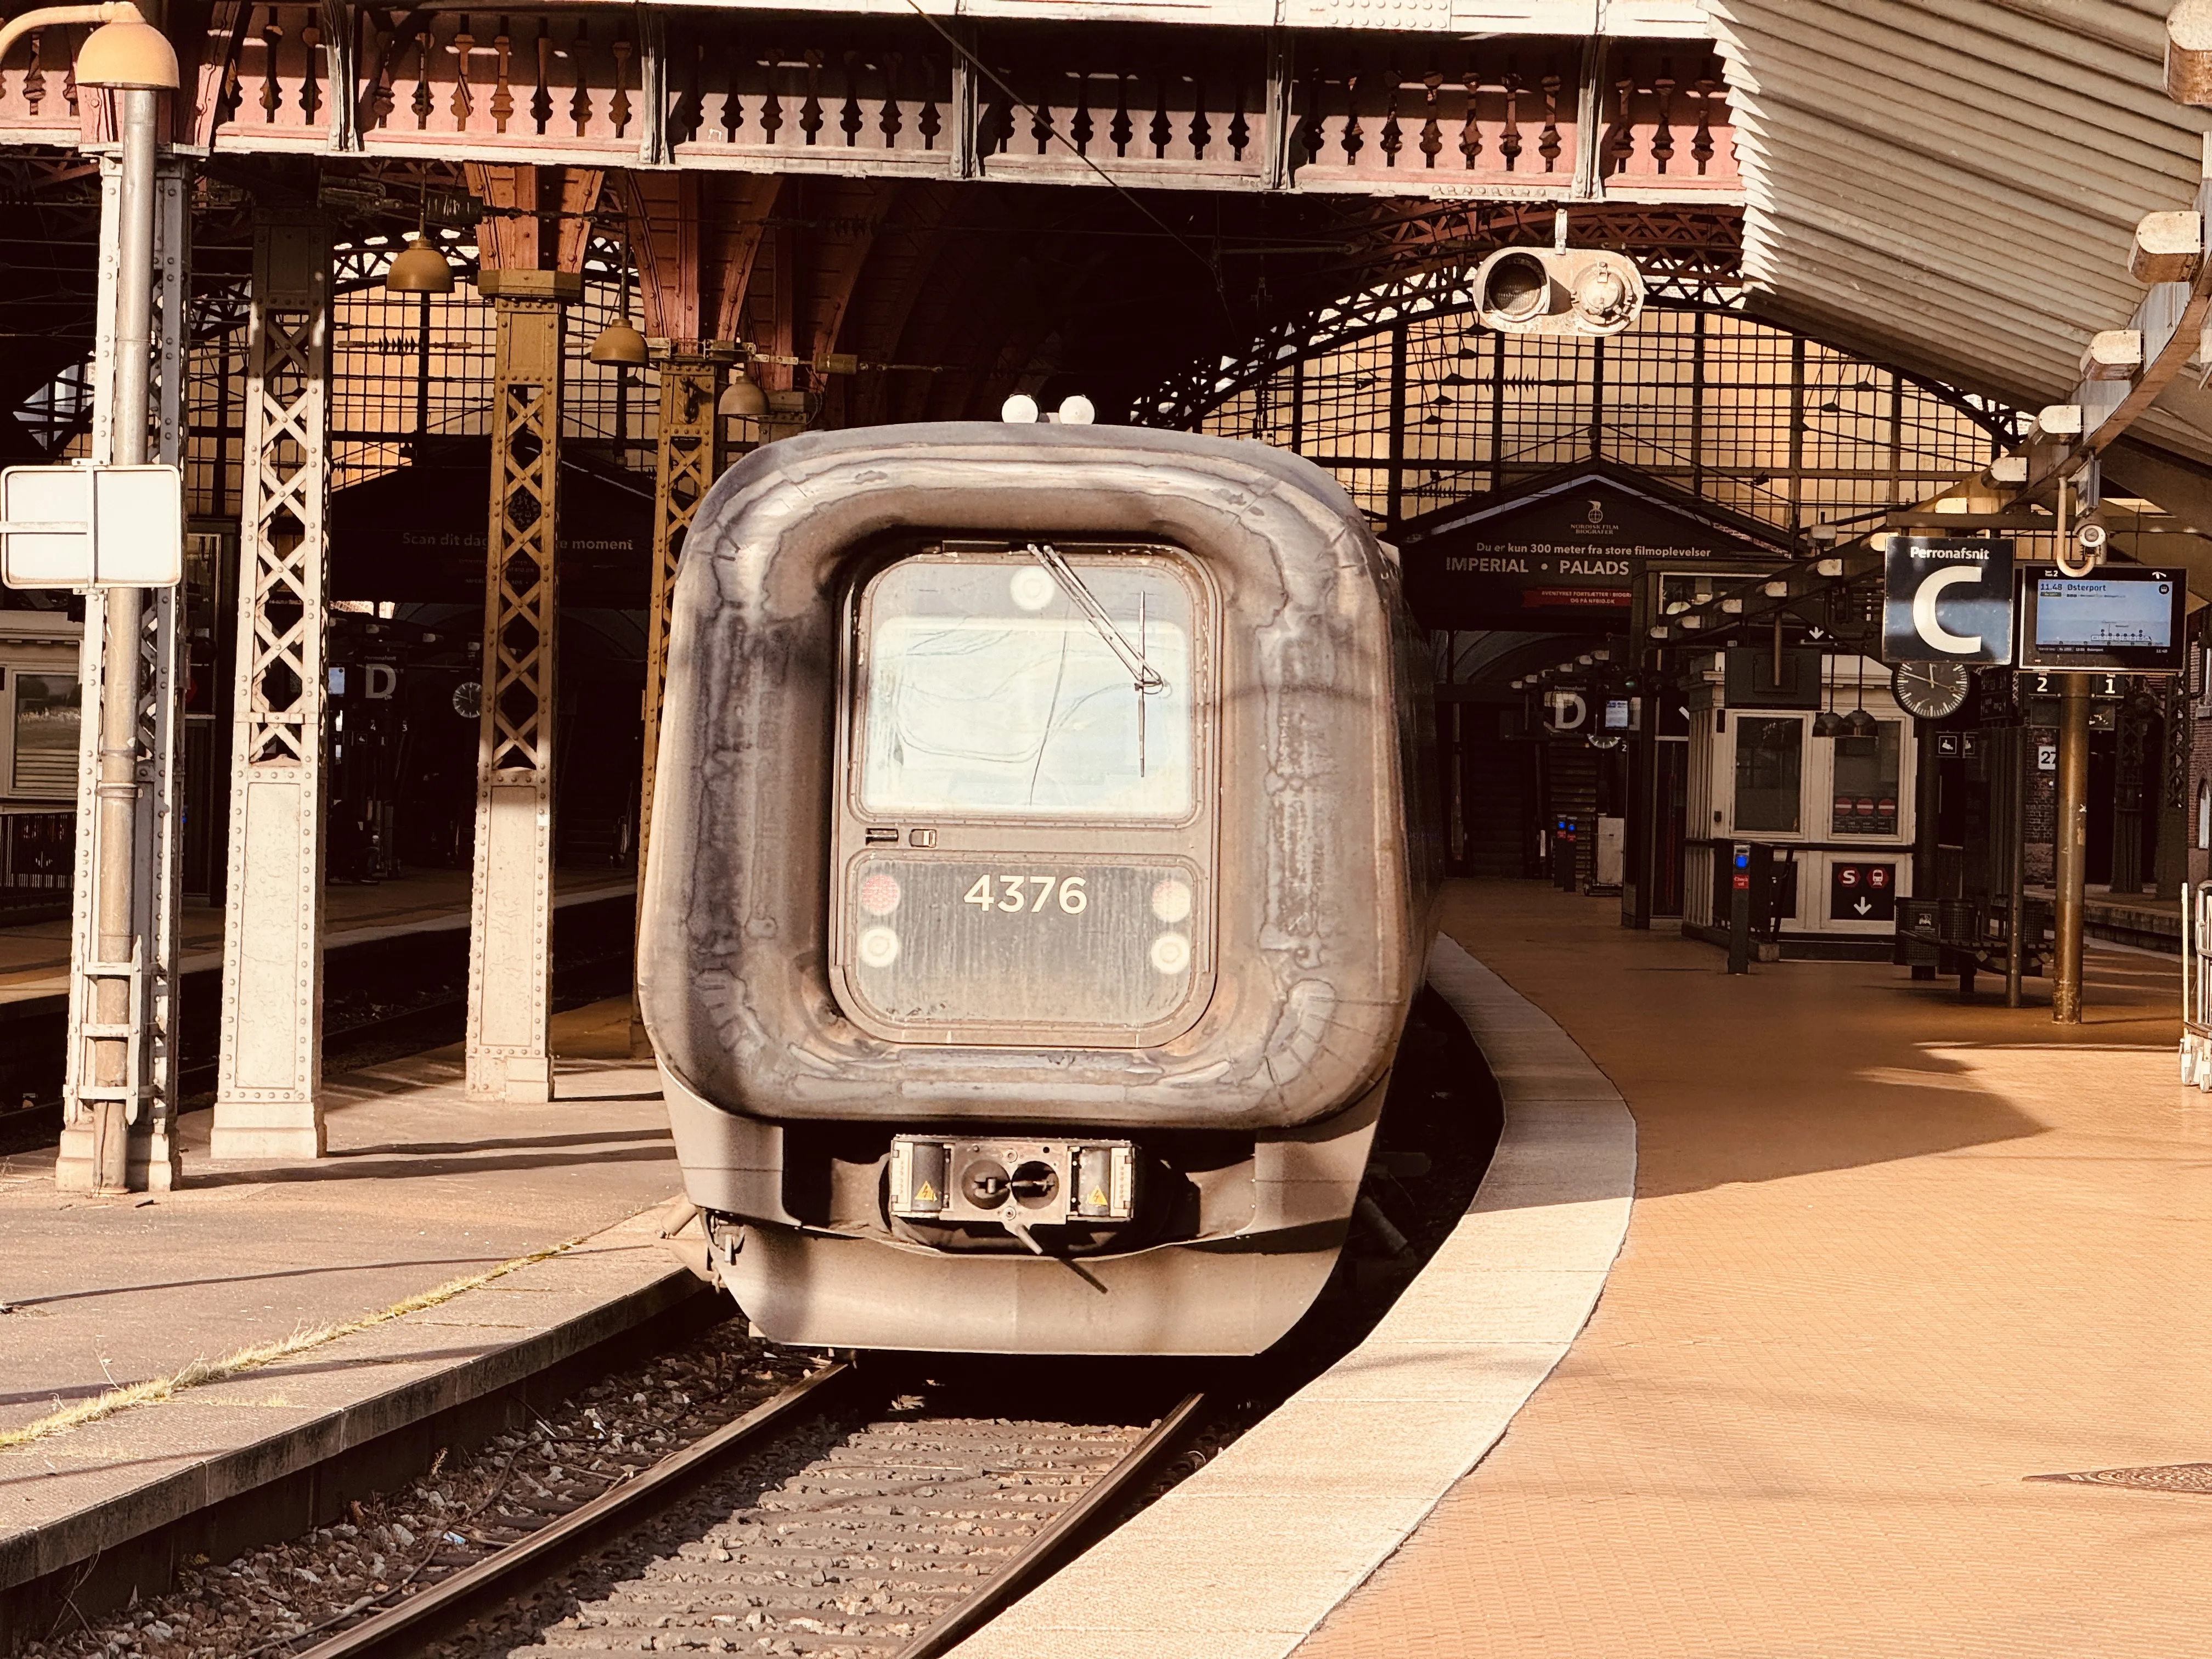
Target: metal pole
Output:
[
  {"x": 114, "y": 923},
  {"x": 2072, "y": 832},
  {"x": 1925, "y": 782},
  {"x": 2016, "y": 858}
]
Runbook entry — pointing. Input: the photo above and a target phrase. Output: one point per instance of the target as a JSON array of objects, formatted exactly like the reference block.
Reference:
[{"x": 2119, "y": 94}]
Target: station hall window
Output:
[
  {"x": 1769, "y": 763},
  {"x": 1865, "y": 782}
]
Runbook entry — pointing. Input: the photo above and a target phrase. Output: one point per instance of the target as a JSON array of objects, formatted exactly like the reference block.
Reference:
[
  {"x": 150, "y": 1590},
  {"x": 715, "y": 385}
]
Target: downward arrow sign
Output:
[{"x": 1862, "y": 907}]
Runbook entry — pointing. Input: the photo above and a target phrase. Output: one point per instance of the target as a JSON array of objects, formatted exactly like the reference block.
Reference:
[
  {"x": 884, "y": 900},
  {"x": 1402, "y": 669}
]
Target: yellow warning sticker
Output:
[
  {"x": 926, "y": 1195},
  {"x": 1096, "y": 1201}
]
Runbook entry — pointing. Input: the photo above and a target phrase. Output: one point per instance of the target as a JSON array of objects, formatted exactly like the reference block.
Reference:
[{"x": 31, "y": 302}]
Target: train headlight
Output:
[
  {"x": 1170, "y": 953},
  {"x": 1171, "y": 900},
  {"x": 878, "y": 947}
]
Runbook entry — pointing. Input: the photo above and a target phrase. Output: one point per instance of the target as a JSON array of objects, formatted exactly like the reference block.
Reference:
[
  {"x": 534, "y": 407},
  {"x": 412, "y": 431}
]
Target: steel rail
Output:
[
  {"x": 402, "y": 1630},
  {"x": 1007, "y": 1585}
]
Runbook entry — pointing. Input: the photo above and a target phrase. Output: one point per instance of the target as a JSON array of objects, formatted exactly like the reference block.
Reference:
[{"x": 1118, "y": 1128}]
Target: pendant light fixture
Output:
[
  {"x": 1858, "y": 723},
  {"x": 1828, "y": 723},
  {"x": 618, "y": 342},
  {"x": 418, "y": 268}
]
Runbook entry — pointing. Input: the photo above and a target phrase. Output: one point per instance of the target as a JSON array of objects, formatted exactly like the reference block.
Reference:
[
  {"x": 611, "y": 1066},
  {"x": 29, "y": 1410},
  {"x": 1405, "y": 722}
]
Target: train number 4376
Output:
[{"x": 1013, "y": 894}]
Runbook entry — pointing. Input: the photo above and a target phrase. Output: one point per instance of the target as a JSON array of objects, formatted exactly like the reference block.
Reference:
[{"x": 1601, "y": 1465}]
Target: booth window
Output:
[
  {"x": 1865, "y": 782},
  {"x": 47, "y": 707},
  {"x": 1769, "y": 764}
]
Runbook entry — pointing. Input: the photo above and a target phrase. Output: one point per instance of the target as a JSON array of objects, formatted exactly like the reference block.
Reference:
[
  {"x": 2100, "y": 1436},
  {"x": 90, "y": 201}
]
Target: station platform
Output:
[
  {"x": 442, "y": 1251},
  {"x": 34, "y": 956},
  {"x": 395, "y": 980},
  {"x": 1891, "y": 1258}
]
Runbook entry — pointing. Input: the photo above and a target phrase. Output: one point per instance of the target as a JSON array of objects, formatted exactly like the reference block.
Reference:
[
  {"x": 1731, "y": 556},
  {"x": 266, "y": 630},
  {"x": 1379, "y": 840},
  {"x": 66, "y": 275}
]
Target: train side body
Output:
[{"x": 1036, "y": 792}]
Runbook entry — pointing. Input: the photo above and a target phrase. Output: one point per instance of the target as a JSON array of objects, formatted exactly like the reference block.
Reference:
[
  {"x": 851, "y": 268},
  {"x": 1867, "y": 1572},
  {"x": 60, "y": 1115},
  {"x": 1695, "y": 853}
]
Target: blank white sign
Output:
[{"x": 92, "y": 527}]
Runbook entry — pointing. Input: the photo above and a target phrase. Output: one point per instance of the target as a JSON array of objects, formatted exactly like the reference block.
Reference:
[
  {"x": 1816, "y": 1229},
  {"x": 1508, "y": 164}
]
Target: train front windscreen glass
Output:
[{"x": 995, "y": 689}]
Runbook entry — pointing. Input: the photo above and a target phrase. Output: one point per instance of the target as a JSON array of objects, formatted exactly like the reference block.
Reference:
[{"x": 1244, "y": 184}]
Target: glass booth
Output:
[{"x": 1838, "y": 812}]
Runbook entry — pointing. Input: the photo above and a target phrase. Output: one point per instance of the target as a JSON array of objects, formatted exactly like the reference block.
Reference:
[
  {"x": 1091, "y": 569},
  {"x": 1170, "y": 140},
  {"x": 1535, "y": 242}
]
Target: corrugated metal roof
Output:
[{"x": 1953, "y": 185}]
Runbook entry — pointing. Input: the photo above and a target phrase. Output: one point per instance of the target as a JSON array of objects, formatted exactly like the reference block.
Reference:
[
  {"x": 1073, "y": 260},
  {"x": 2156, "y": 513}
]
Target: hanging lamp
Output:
[
  {"x": 418, "y": 268},
  {"x": 1828, "y": 723},
  {"x": 1858, "y": 723},
  {"x": 618, "y": 342}
]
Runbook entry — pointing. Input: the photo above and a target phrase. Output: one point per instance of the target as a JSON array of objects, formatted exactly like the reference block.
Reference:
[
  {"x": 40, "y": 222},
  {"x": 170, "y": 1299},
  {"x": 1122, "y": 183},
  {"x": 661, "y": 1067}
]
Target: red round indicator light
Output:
[{"x": 879, "y": 893}]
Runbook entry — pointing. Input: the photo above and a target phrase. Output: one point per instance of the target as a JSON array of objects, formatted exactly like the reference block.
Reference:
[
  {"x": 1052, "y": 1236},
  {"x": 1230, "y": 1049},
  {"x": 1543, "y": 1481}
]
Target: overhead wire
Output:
[{"x": 1212, "y": 266}]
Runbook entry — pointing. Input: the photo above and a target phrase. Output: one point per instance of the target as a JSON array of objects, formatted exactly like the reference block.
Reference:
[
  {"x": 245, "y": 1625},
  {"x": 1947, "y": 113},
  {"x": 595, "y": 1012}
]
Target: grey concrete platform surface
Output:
[
  {"x": 421, "y": 1189},
  {"x": 1245, "y": 1558},
  {"x": 34, "y": 956}
]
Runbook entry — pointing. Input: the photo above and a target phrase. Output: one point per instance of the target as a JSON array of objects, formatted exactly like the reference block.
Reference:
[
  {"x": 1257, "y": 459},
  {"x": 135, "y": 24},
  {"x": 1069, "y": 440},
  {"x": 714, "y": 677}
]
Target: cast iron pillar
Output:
[
  {"x": 689, "y": 460},
  {"x": 2072, "y": 832},
  {"x": 510, "y": 1050},
  {"x": 269, "y": 1072},
  {"x": 119, "y": 1069}
]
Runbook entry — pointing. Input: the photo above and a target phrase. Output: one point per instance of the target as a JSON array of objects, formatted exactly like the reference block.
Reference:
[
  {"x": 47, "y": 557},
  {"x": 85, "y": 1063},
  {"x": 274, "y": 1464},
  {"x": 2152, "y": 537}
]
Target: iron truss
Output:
[
  {"x": 1396, "y": 265},
  {"x": 1438, "y": 285}
]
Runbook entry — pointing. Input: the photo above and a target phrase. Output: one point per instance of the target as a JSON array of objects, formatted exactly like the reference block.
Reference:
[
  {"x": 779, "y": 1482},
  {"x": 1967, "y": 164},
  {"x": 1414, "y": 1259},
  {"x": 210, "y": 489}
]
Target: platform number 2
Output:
[{"x": 1073, "y": 899}]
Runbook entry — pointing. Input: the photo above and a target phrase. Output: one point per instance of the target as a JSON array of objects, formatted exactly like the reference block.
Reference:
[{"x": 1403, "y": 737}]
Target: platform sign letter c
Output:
[
  {"x": 1946, "y": 599},
  {"x": 1924, "y": 610}
]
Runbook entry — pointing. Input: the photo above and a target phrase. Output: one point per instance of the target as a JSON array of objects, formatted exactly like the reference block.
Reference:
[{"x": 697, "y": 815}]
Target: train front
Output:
[{"x": 1032, "y": 908}]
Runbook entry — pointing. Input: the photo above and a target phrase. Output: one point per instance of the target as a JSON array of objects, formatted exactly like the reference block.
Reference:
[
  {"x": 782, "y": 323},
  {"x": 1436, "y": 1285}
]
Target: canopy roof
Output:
[{"x": 1953, "y": 184}]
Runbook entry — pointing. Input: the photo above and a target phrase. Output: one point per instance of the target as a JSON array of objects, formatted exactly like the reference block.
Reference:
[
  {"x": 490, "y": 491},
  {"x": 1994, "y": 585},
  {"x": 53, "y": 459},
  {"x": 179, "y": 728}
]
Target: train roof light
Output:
[{"x": 1020, "y": 409}]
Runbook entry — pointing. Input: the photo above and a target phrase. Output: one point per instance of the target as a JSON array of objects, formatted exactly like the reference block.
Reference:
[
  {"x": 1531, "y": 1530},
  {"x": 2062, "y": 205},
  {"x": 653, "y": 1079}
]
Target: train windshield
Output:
[{"x": 1032, "y": 686}]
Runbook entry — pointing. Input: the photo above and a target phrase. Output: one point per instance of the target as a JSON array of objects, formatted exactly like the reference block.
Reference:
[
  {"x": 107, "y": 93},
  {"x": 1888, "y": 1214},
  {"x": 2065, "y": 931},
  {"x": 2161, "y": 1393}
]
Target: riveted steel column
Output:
[
  {"x": 510, "y": 1051},
  {"x": 269, "y": 1074},
  {"x": 121, "y": 1056},
  {"x": 691, "y": 459},
  {"x": 2072, "y": 832}
]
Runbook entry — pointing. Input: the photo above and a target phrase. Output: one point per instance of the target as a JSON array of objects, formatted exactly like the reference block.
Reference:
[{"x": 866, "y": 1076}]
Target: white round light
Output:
[
  {"x": 879, "y": 947},
  {"x": 1020, "y": 409},
  {"x": 1170, "y": 953},
  {"x": 1171, "y": 900},
  {"x": 1032, "y": 589},
  {"x": 1077, "y": 410}
]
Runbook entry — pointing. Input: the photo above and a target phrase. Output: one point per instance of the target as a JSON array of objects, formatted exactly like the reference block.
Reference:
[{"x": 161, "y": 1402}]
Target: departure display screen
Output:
[
  {"x": 2120, "y": 616},
  {"x": 2096, "y": 613}
]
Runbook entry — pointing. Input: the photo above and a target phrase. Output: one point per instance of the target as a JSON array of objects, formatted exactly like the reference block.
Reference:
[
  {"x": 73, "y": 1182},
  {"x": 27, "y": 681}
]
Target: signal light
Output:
[{"x": 1528, "y": 290}]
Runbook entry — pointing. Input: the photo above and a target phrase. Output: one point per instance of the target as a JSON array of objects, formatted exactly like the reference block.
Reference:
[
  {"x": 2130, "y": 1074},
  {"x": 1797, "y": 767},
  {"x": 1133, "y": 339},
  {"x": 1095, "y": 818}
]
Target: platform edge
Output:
[{"x": 1204, "y": 1573}]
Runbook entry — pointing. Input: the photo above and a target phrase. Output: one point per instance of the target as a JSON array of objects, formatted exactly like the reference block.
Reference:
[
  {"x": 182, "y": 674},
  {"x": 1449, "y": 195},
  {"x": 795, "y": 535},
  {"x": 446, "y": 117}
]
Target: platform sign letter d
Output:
[{"x": 1946, "y": 599}]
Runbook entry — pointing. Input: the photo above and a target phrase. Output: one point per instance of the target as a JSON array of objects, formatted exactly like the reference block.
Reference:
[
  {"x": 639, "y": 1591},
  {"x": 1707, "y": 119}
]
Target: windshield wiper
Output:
[{"x": 1146, "y": 676}]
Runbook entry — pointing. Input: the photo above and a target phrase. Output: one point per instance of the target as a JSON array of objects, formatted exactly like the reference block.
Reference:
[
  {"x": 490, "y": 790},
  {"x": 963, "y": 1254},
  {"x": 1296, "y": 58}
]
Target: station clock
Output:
[{"x": 1930, "y": 690}]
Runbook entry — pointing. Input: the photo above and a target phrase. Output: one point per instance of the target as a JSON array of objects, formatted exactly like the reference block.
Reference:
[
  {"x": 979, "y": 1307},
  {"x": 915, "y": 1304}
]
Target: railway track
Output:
[{"x": 858, "y": 1514}]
